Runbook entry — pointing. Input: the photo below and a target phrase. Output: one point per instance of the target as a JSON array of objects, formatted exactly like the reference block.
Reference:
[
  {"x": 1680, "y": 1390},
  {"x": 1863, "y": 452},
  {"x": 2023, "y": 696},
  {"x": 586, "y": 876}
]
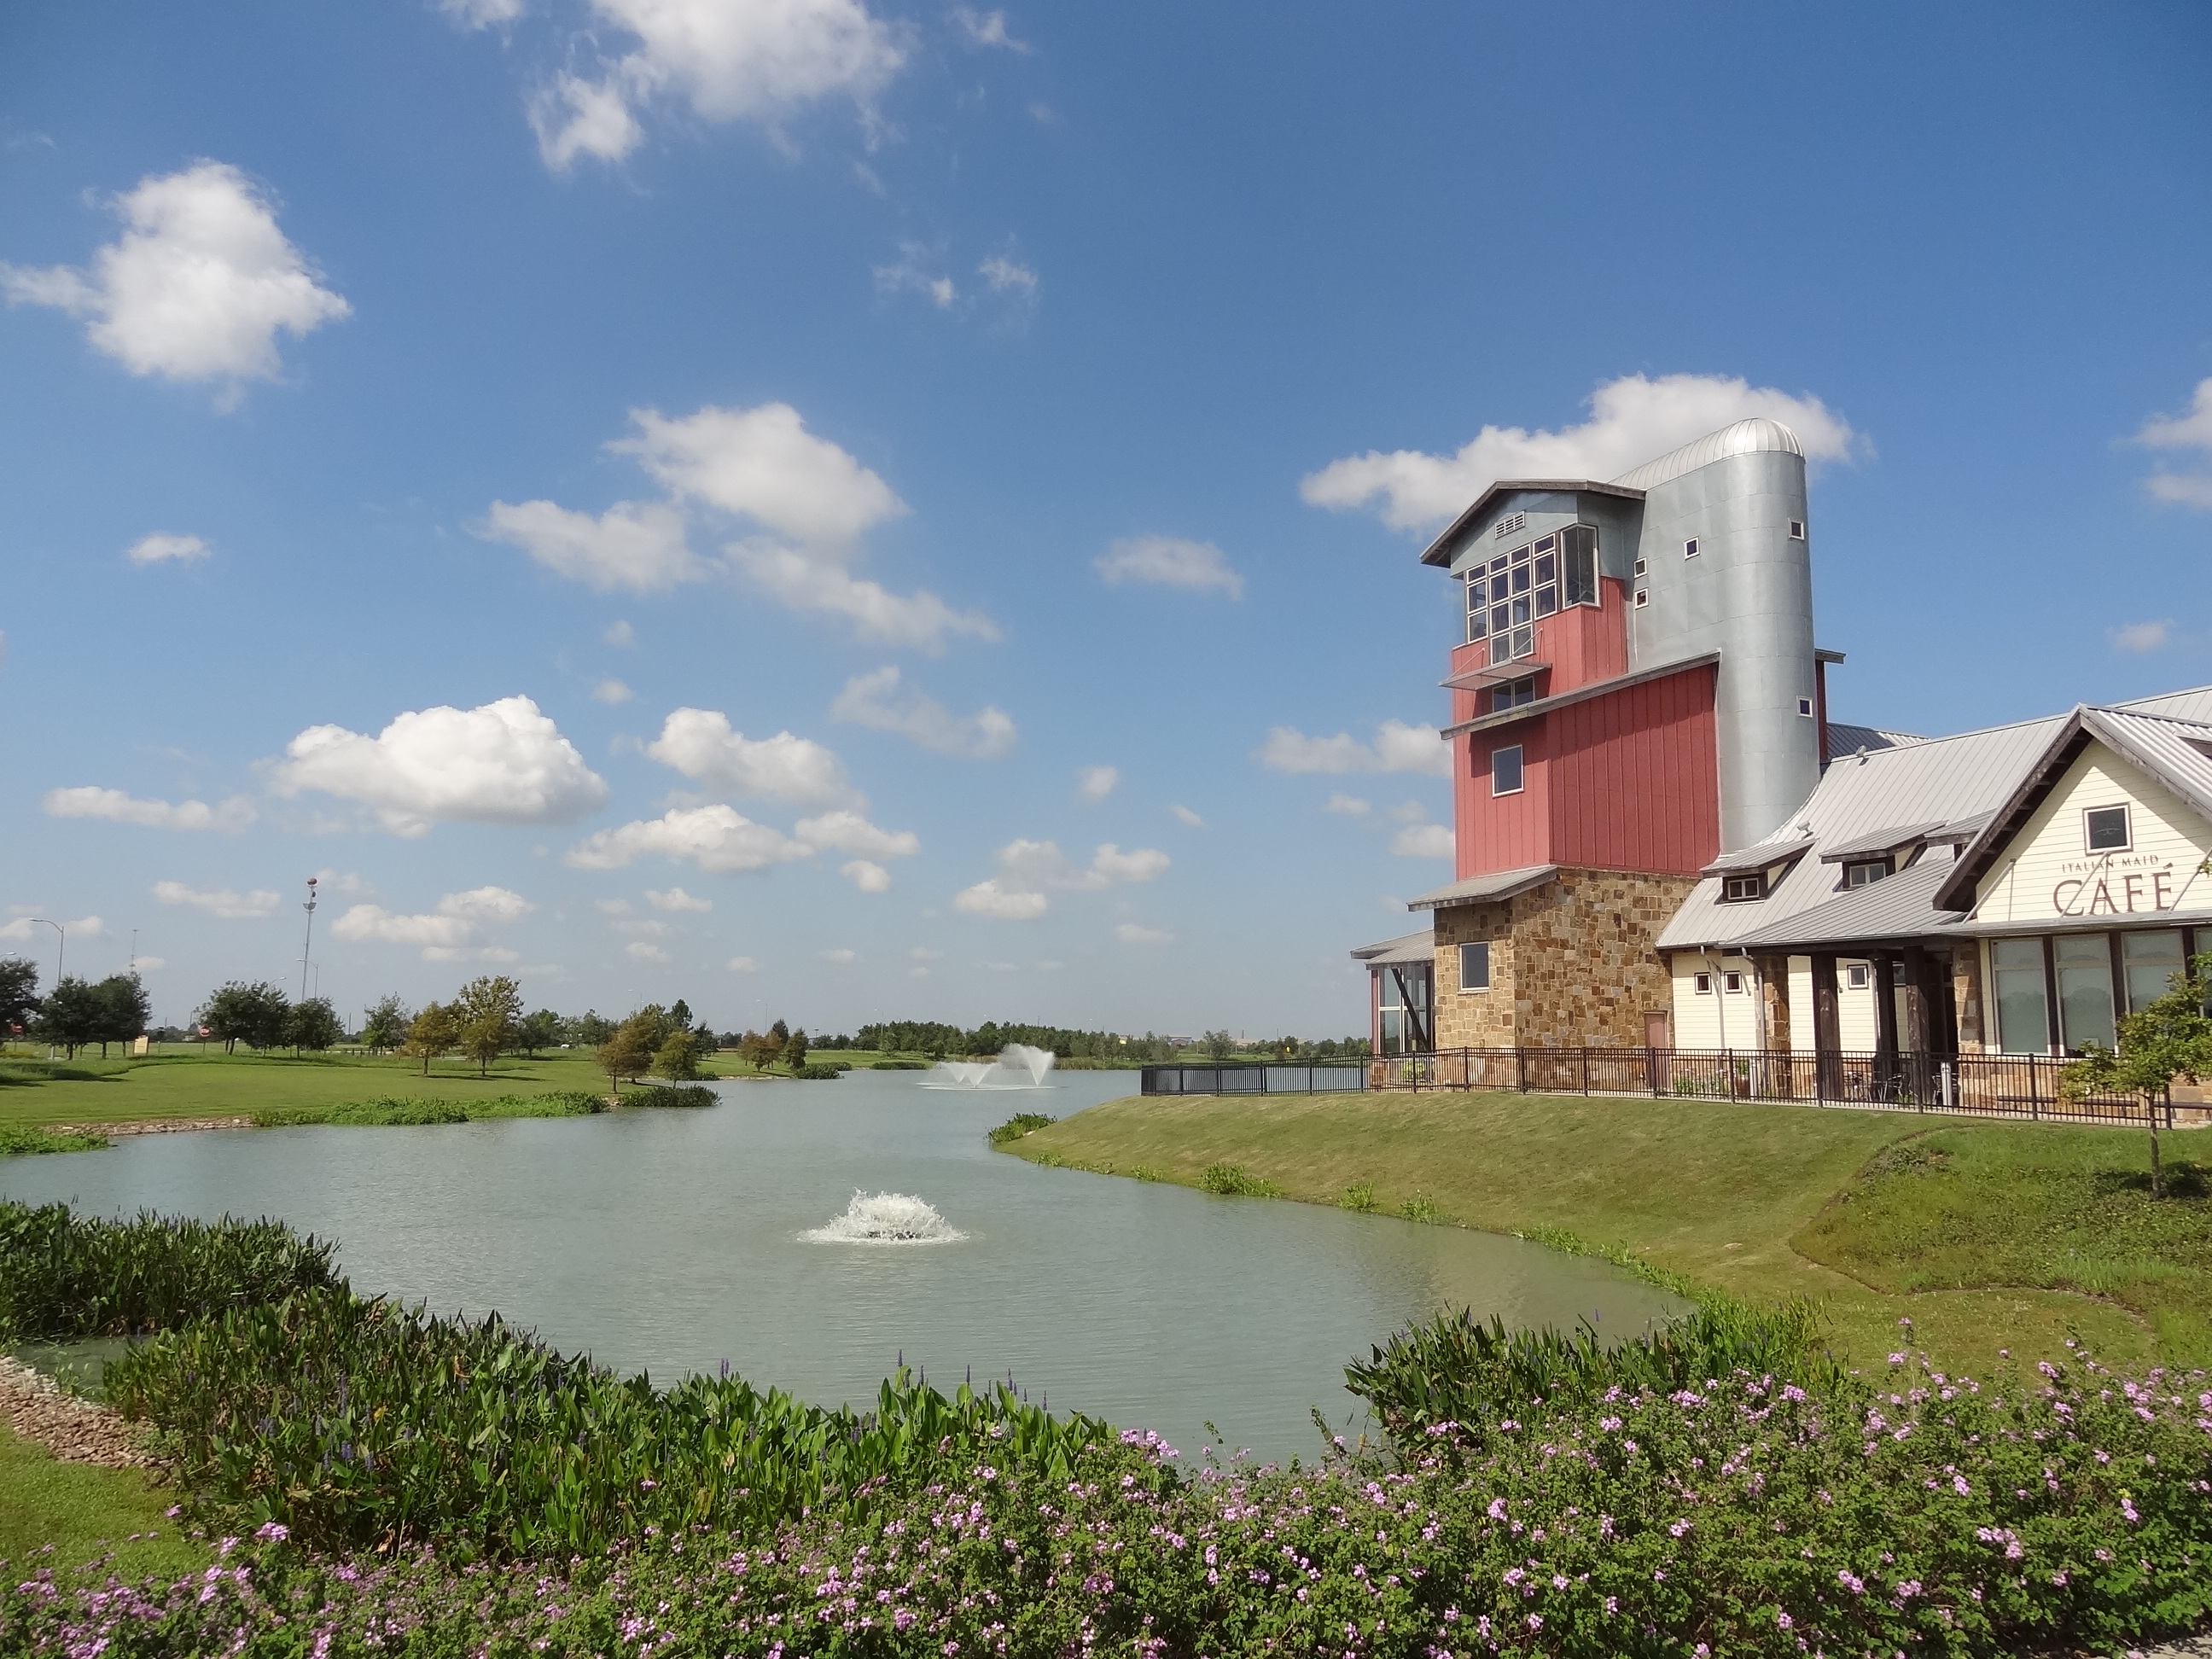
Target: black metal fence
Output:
[{"x": 1982, "y": 1085}]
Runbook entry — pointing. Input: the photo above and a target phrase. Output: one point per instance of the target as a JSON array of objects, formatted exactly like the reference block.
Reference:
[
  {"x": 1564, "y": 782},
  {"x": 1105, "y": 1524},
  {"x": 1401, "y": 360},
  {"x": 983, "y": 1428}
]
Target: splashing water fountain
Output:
[
  {"x": 887, "y": 1218},
  {"x": 1017, "y": 1066}
]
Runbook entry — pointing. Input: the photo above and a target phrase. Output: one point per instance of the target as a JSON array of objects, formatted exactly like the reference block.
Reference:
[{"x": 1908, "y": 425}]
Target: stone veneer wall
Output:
[
  {"x": 1966, "y": 994},
  {"x": 1573, "y": 963}
]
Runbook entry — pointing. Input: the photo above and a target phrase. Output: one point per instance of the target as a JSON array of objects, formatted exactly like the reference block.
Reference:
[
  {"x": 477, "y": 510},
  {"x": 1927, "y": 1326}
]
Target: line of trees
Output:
[
  {"x": 937, "y": 1039},
  {"x": 76, "y": 1013}
]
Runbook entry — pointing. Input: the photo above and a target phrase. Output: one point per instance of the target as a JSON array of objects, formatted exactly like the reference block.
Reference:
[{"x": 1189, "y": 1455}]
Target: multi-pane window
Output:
[
  {"x": 1513, "y": 693},
  {"x": 1735, "y": 890},
  {"x": 1507, "y": 594},
  {"x": 1402, "y": 1003},
  {"x": 1866, "y": 874}
]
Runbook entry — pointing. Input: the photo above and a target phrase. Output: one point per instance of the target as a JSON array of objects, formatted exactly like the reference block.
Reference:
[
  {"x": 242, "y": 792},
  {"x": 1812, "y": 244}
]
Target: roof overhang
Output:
[
  {"x": 1881, "y": 843},
  {"x": 1474, "y": 679},
  {"x": 1763, "y": 856},
  {"x": 1438, "y": 552},
  {"x": 1486, "y": 889},
  {"x": 1580, "y": 694},
  {"x": 1408, "y": 947}
]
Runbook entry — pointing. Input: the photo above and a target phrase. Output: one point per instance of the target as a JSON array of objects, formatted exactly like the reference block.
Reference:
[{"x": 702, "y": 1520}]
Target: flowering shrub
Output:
[{"x": 1925, "y": 1514}]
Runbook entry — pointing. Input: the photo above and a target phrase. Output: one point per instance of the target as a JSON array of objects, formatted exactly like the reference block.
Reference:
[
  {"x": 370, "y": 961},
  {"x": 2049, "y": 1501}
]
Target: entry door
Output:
[{"x": 1657, "y": 1022}]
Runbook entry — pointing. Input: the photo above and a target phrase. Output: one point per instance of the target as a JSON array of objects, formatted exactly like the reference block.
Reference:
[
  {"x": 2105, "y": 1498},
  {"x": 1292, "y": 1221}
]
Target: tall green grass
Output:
[
  {"x": 1020, "y": 1124},
  {"x": 63, "y": 1275},
  {"x": 393, "y": 1109},
  {"x": 15, "y": 1142},
  {"x": 362, "y": 1425}
]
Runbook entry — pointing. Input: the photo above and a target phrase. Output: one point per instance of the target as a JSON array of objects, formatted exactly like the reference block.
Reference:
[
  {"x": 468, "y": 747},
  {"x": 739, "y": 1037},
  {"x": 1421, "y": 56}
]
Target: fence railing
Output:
[{"x": 1990, "y": 1085}]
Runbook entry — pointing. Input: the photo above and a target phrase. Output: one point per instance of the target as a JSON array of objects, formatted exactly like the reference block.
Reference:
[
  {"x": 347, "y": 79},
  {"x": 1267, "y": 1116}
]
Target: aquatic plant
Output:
[
  {"x": 63, "y": 1275},
  {"x": 1422, "y": 1208},
  {"x": 1019, "y": 1124},
  {"x": 408, "y": 1109},
  {"x": 1359, "y": 1196},
  {"x": 687, "y": 1095},
  {"x": 15, "y": 1142},
  {"x": 1234, "y": 1180}
]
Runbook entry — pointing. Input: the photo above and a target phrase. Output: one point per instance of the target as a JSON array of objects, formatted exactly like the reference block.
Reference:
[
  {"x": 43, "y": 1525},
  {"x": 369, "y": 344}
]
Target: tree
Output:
[
  {"x": 489, "y": 1011},
  {"x": 760, "y": 1052},
  {"x": 590, "y": 1029},
  {"x": 254, "y": 1014},
  {"x": 626, "y": 1054},
  {"x": 541, "y": 1030},
  {"x": 1219, "y": 1045},
  {"x": 123, "y": 1009},
  {"x": 680, "y": 1015},
  {"x": 794, "y": 1048},
  {"x": 781, "y": 1033},
  {"x": 678, "y": 1059},
  {"x": 69, "y": 1017},
  {"x": 431, "y": 1033},
  {"x": 2164, "y": 1039},
  {"x": 384, "y": 1026},
  {"x": 314, "y": 1026},
  {"x": 19, "y": 993}
]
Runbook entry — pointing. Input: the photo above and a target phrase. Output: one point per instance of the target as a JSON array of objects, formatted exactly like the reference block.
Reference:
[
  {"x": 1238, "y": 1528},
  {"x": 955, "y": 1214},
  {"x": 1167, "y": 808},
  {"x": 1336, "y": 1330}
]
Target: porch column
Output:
[
  {"x": 1884, "y": 1027},
  {"x": 1827, "y": 1031}
]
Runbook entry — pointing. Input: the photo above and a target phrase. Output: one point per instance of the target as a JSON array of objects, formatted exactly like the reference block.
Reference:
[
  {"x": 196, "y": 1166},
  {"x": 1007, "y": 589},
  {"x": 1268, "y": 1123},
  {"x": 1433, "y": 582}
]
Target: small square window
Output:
[
  {"x": 1548, "y": 544},
  {"x": 1704, "y": 983},
  {"x": 1796, "y": 530},
  {"x": 1732, "y": 984},
  {"x": 1859, "y": 976},
  {"x": 1805, "y": 706},
  {"x": 1474, "y": 966},
  {"x": 1690, "y": 548},
  {"x": 1642, "y": 597},
  {"x": 2106, "y": 829},
  {"x": 1639, "y": 567},
  {"x": 1505, "y": 770}
]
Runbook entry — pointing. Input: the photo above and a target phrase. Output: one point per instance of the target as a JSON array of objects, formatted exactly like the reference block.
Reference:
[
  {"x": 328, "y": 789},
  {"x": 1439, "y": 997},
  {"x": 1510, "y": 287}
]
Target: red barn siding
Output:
[
  {"x": 1502, "y": 832},
  {"x": 1586, "y": 643}
]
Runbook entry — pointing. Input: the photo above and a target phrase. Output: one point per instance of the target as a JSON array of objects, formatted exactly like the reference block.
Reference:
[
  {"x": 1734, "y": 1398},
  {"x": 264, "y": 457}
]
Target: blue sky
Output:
[{"x": 684, "y": 497}]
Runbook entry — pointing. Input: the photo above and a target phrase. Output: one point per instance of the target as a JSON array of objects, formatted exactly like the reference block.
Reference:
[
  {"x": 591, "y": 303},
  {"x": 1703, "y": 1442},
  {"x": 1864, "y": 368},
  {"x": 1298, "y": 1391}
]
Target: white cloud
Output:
[
  {"x": 701, "y": 744},
  {"x": 848, "y": 832},
  {"x": 504, "y": 762},
  {"x": 1397, "y": 748},
  {"x": 1632, "y": 420},
  {"x": 645, "y": 951},
  {"x": 219, "y": 901},
  {"x": 611, "y": 692},
  {"x": 146, "y": 965},
  {"x": 1350, "y": 806},
  {"x": 866, "y": 875},
  {"x": 986, "y": 28},
  {"x": 230, "y": 816},
  {"x": 486, "y": 904},
  {"x": 2145, "y": 636},
  {"x": 1422, "y": 840},
  {"x": 1097, "y": 782},
  {"x": 160, "y": 547},
  {"x": 1185, "y": 815},
  {"x": 764, "y": 464},
  {"x": 1140, "y": 864},
  {"x": 731, "y": 60},
  {"x": 198, "y": 286},
  {"x": 1409, "y": 812},
  {"x": 808, "y": 581},
  {"x": 638, "y": 929},
  {"x": 374, "y": 922},
  {"x": 477, "y": 953},
  {"x": 675, "y": 901},
  {"x": 636, "y": 545},
  {"x": 867, "y": 700},
  {"x": 742, "y": 965},
  {"x": 1168, "y": 562},
  {"x": 914, "y": 273},
  {"x": 22, "y": 927},
  {"x": 445, "y": 933},
  {"x": 719, "y": 840},
  {"x": 1007, "y": 276},
  {"x": 2190, "y": 431},
  {"x": 1130, "y": 934},
  {"x": 840, "y": 955},
  {"x": 923, "y": 953},
  {"x": 481, "y": 13},
  {"x": 994, "y": 899},
  {"x": 347, "y": 882},
  {"x": 620, "y": 633},
  {"x": 613, "y": 907}
]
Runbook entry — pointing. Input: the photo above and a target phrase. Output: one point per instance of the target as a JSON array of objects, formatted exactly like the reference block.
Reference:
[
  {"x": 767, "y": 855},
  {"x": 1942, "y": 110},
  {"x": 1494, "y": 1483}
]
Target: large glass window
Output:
[
  {"x": 1579, "y": 564},
  {"x": 2085, "y": 987},
  {"x": 1505, "y": 770},
  {"x": 1505, "y": 596},
  {"x": 1402, "y": 1024},
  {"x": 2023, "y": 1015},
  {"x": 2149, "y": 961}
]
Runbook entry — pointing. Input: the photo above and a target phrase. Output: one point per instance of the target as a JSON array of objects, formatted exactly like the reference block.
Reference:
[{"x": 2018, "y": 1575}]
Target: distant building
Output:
[{"x": 1661, "y": 838}]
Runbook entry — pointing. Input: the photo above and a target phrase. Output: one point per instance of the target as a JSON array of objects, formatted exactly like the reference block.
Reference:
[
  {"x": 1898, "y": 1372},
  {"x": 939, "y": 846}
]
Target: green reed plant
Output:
[
  {"x": 1360, "y": 1197},
  {"x": 63, "y": 1275},
  {"x": 682, "y": 1096},
  {"x": 1235, "y": 1180},
  {"x": 15, "y": 1142},
  {"x": 403, "y": 1110},
  {"x": 1019, "y": 1124}
]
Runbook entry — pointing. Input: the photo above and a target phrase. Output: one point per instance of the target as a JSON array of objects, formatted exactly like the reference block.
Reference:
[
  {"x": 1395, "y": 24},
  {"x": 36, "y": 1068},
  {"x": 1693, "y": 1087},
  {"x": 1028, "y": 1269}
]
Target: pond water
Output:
[{"x": 672, "y": 1241}]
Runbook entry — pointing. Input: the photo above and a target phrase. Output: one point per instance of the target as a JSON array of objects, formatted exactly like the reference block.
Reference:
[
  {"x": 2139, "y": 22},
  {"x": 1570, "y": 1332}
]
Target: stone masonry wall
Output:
[{"x": 1573, "y": 963}]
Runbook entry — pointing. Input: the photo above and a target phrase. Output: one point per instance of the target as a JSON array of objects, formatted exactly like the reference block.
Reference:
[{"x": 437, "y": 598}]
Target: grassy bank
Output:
[
  {"x": 85, "y": 1513},
  {"x": 1988, "y": 1237}
]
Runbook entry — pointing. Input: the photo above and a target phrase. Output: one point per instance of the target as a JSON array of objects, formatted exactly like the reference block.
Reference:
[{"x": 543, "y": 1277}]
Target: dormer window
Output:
[
  {"x": 1741, "y": 889},
  {"x": 1866, "y": 873}
]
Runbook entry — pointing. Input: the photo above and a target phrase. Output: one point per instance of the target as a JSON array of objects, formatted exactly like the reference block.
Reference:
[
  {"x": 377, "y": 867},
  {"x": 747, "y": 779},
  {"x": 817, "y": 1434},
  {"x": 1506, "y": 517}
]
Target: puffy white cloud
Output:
[
  {"x": 486, "y": 904},
  {"x": 448, "y": 933},
  {"x": 986, "y": 29},
  {"x": 1186, "y": 815},
  {"x": 636, "y": 545},
  {"x": 1168, "y": 562},
  {"x": 229, "y": 817},
  {"x": 642, "y": 929},
  {"x": 994, "y": 899},
  {"x": 1351, "y": 806},
  {"x": 1006, "y": 276},
  {"x": 504, "y": 762},
  {"x": 159, "y": 548},
  {"x": 1097, "y": 782},
  {"x": 848, "y": 832},
  {"x": 729, "y": 59},
  {"x": 481, "y": 13},
  {"x": 613, "y": 907},
  {"x": 809, "y": 580},
  {"x": 2184, "y": 431},
  {"x": 620, "y": 633},
  {"x": 2145, "y": 636},
  {"x": 198, "y": 286},
  {"x": 866, "y": 875},
  {"x": 24, "y": 927},
  {"x": 347, "y": 882},
  {"x": 1139, "y": 864},
  {"x": 1397, "y": 748},
  {"x": 1632, "y": 420},
  {"x": 1422, "y": 840},
  {"x": 869, "y": 700},
  {"x": 374, "y": 922},
  {"x": 913, "y": 272},
  {"x": 701, "y": 744},
  {"x": 146, "y": 965},
  {"x": 644, "y": 951},
  {"x": 719, "y": 839},
  {"x": 675, "y": 901},
  {"x": 219, "y": 901},
  {"x": 611, "y": 692},
  {"x": 742, "y": 965},
  {"x": 494, "y": 953},
  {"x": 764, "y": 464},
  {"x": 840, "y": 955},
  {"x": 1130, "y": 934}
]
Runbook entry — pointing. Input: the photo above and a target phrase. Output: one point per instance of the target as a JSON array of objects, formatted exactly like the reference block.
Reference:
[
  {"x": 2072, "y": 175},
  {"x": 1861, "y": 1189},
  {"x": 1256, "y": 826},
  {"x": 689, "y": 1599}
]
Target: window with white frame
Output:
[
  {"x": 1474, "y": 966},
  {"x": 1702, "y": 984},
  {"x": 1732, "y": 982},
  {"x": 1505, "y": 770},
  {"x": 2106, "y": 829},
  {"x": 1690, "y": 548},
  {"x": 1741, "y": 890},
  {"x": 1859, "y": 976},
  {"x": 1866, "y": 873},
  {"x": 1796, "y": 530},
  {"x": 1507, "y": 594},
  {"x": 1513, "y": 693}
]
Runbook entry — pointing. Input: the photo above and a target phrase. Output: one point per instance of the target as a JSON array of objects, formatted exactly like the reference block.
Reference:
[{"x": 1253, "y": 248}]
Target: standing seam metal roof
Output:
[{"x": 1757, "y": 436}]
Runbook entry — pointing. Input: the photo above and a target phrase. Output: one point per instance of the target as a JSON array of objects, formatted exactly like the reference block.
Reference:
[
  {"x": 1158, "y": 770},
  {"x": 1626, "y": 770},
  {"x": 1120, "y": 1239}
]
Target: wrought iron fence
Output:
[{"x": 1983, "y": 1086}]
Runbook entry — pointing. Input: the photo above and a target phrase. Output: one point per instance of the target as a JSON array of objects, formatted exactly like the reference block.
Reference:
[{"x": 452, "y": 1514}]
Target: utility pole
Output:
[{"x": 307, "y": 949}]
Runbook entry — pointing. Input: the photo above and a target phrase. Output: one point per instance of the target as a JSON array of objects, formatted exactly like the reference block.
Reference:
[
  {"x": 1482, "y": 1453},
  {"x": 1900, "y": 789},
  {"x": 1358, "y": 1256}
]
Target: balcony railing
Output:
[{"x": 1978, "y": 1085}]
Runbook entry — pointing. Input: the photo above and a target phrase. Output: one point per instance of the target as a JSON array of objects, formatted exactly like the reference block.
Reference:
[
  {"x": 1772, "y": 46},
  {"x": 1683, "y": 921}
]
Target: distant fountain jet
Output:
[{"x": 1017, "y": 1066}]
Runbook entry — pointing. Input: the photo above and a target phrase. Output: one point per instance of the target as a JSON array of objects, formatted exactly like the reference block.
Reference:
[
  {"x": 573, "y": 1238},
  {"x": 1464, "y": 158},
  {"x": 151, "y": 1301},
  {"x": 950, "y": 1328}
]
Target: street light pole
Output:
[{"x": 306, "y": 950}]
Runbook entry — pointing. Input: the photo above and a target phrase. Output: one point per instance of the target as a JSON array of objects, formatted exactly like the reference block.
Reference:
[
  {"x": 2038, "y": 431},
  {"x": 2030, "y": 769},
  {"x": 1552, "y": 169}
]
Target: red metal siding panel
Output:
[
  {"x": 1634, "y": 780},
  {"x": 1502, "y": 832}
]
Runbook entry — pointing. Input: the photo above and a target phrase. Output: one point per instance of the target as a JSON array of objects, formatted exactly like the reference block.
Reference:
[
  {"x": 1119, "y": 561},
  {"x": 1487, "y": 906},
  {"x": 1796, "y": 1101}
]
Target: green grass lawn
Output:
[
  {"x": 85, "y": 1512},
  {"x": 1987, "y": 1236}
]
